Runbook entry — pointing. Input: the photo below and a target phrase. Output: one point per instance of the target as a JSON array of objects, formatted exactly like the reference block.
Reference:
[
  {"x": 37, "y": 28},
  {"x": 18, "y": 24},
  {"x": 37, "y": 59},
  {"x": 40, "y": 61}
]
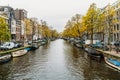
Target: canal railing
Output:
[
  {"x": 15, "y": 49},
  {"x": 110, "y": 54}
]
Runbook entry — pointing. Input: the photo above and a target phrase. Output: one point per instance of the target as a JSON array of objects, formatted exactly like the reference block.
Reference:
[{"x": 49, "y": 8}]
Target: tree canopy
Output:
[{"x": 4, "y": 30}]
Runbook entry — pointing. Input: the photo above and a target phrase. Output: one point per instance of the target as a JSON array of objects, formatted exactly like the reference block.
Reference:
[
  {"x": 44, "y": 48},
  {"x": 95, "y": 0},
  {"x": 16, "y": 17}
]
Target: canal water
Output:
[{"x": 58, "y": 60}]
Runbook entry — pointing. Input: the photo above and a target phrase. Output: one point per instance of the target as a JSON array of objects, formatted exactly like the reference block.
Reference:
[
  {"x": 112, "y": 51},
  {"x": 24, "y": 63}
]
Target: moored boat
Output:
[
  {"x": 34, "y": 46},
  {"x": 94, "y": 54},
  {"x": 28, "y": 49},
  {"x": 5, "y": 58},
  {"x": 113, "y": 63},
  {"x": 43, "y": 43},
  {"x": 79, "y": 45},
  {"x": 19, "y": 53}
]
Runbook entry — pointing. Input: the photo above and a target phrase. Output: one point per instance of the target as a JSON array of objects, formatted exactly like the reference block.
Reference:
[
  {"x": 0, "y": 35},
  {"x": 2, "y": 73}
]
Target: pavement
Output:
[{"x": 112, "y": 52}]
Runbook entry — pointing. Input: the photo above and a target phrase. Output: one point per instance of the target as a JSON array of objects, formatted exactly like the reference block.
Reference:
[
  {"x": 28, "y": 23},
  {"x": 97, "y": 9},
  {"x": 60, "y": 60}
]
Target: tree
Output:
[
  {"x": 28, "y": 29},
  {"x": 109, "y": 13},
  {"x": 101, "y": 23},
  {"x": 72, "y": 28},
  {"x": 4, "y": 31},
  {"x": 28, "y": 26},
  {"x": 90, "y": 19},
  {"x": 46, "y": 31},
  {"x": 77, "y": 24},
  {"x": 54, "y": 34}
]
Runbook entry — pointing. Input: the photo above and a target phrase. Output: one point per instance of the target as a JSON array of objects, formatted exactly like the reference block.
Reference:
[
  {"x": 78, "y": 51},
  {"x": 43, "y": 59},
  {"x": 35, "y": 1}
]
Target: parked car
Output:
[
  {"x": 17, "y": 45},
  {"x": 97, "y": 45},
  {"x": 29, "y": 42},
  {"x": 7, "y": 45},
  {"x": 117, "y": 43}
]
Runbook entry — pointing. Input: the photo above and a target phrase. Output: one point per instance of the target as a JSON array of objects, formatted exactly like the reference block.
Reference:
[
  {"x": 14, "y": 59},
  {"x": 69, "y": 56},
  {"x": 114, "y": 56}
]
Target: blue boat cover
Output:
[
  {"x": 27, "y": 49},
  {"x": 115, "y": 62}
]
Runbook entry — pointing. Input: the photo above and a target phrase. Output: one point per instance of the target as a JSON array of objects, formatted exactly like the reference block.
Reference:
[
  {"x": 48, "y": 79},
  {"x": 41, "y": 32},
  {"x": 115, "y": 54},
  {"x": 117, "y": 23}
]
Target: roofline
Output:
[{"x": 3, "y": 17}]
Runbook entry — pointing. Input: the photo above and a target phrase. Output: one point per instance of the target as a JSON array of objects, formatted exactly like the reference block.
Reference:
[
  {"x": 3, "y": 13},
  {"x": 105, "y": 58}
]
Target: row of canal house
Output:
[
  {"x": 17, "y": 25},
  {"x": 111, "y": 32},
  {"x": 116, "y": 27}
]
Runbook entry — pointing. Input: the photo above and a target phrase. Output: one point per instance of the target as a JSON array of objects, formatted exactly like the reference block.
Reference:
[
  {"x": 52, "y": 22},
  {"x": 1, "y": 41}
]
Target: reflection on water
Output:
[{"x": 57, "y": 60}]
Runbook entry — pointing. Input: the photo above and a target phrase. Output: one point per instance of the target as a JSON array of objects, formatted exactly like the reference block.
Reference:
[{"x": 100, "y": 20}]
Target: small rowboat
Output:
[
  {"x": 113, "y": 63},
  {"x": 5, "y": 58},
  {"x": 19, "y": 53}
]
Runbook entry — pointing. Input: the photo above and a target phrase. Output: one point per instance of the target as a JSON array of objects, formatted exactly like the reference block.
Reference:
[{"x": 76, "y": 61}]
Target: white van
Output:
[{"x": 7, "y": 45}]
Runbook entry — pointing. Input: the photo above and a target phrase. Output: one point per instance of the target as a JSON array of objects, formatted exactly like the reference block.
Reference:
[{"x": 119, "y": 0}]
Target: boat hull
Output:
[
  {"x": 5, "y": 58},
  {"x": 111, "y": 64},
  {"x": 19, "y": 53},
  {"x": 28, "y": 49},
  {"x": 94, "y": 54}
]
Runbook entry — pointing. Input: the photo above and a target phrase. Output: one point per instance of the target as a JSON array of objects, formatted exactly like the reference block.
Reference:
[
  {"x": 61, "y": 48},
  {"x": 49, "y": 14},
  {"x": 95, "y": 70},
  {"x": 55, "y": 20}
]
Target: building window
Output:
[
  {"x": 117, "y": 36},
  {"x": 117, "y": 13},
  {"x": 117, "y": 19},
  {"x": 117, "y": 26},
  {"x": 5, "y": 9},
  {"x": 114, "y": 37},
  {"x": 12, "y": 23},
  {"x": 114, "y": 27}
]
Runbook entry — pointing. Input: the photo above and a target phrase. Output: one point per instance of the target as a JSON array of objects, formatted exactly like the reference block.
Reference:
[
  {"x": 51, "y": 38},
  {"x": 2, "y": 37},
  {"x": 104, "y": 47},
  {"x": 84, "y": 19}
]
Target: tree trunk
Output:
[{"x": 92, "y": 36}]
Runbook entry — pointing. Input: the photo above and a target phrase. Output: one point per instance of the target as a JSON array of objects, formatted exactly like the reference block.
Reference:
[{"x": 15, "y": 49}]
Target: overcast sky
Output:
[{"x": 55, "y": 12}]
